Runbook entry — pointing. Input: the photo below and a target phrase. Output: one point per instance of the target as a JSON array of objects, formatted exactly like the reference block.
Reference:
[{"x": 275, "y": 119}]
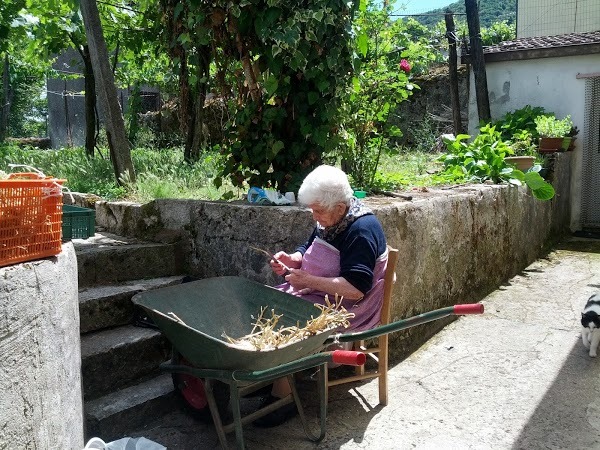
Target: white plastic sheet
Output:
[{"x": 126, "y": 443}]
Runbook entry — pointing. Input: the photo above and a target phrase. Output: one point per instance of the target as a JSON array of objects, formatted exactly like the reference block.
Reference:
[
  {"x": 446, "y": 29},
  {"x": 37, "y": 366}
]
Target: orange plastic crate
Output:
[{"x": 30, "y": 218}]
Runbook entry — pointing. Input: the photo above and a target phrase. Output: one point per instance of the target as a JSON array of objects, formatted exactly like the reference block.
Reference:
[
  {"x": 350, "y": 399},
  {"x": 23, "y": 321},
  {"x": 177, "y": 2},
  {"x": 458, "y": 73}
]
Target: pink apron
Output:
[{"x": 323, "y": 260}]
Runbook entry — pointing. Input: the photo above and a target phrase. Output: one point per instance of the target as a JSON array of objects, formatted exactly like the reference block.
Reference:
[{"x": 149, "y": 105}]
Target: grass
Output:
[
  {"x": 408, "y": 169},
  {"x": 160, "y": 173},
  {"x": 164, "y": 174}
]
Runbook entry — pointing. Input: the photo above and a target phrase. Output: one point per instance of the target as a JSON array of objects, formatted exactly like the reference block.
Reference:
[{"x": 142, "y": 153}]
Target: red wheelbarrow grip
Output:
[
  {"x": 470, "y": 308},
  {"x": 349, "y": 357}
]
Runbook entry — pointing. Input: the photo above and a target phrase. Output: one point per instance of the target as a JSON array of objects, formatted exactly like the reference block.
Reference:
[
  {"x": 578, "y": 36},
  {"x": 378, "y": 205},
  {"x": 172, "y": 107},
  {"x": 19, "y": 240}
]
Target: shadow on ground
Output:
[
  {"x": 571, "y": 403},
  {"x": 348, "y": 416}
]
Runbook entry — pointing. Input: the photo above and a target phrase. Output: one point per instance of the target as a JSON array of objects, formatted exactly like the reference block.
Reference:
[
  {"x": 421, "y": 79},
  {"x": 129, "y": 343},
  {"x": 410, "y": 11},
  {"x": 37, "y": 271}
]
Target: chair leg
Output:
[
  {"x": 357, "y": 347},
  {"x": 325, "y": 370},
  {"x": 383, "y": 369}
]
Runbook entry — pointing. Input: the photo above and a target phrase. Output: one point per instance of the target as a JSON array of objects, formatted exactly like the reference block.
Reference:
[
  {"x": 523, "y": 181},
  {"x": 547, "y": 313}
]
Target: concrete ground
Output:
[{"x": 516, "y": 377}]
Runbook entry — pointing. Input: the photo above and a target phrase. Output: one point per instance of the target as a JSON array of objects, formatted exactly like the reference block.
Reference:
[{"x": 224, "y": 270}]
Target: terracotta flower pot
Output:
[
  {"x": 522, "y": 163},
  {"x": 551, "y": 145}
]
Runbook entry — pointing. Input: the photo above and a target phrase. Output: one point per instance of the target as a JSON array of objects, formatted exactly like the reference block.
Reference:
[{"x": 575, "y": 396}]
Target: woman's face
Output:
[{"x": 328, "y": 217}]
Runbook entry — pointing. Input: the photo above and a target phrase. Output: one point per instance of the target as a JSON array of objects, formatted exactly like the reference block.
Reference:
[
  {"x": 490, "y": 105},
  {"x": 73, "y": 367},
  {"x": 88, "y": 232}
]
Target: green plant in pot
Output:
[
  {"x": 524, "y": 150},
  {"x": 519, "y": 120},
  {"x": 572, "y": 134},
  {"x": 483, "y": 160},
  {"x": 554, "y": 133}
]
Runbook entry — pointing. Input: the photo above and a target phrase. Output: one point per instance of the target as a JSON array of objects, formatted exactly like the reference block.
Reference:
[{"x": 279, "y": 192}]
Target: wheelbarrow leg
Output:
[
  {"x": 237, "y": 416},
  {"x": 214, "y": 412},
  {"x": 322, "y": 385}
]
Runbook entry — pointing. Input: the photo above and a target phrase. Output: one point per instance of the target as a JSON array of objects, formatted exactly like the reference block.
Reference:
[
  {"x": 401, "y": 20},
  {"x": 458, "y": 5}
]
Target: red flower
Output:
[{"x": 405, "y": 66}]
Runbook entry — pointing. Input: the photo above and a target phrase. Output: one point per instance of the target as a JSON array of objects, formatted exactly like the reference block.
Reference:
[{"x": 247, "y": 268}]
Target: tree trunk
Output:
[
  {"x": 90, "y": 103},
  {"x": 187, "y": 111},
  {"x": 197, "y": 132},
  {"x": 118, "y": 144},
  {"x": 453, "y": 72},
  {"x": 5, "y": 99},
  {"x": 244, "y": 56},
  {"x": 195, "y": 135},
  {"x": 477, "y": 59},
  {"x": 135, "y": 104}
]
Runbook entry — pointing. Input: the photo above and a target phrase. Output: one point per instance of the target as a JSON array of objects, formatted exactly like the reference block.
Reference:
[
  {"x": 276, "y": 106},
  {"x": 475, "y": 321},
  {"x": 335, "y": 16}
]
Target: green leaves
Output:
[
  {"x": 301, "y": 58},
  {"x": 275, "y": 149},
  {"x": 541, "y": 189},
  {"x": 482, "y": 159},
  {"x": 313, "y": 97},
  {"x": 362, "y": 42},
  {"x": 377, "y": 88},
  {"x": 275, "y": 50},
  {"x": 177, "y": 11},
  {"x": 271, "y": 85}
]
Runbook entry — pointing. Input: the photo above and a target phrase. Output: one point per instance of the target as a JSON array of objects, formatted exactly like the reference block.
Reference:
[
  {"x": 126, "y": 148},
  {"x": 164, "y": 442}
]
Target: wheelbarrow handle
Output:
[
  {"x": 338, "y": 356},
  {"x": 348, "y": 357},
  {"x": 468, "y": 308},
  {"x": 474, "y": 308}
]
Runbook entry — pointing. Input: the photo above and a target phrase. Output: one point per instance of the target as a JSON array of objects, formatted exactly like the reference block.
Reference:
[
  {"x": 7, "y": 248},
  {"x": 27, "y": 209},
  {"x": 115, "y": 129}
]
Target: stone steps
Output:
[
  {"x": 122, "y": 384},
  {"x": 115, "y": 358},
  {"x": 109, "y": 306},
  {"x": 108, "y": 259},
  {"x": 113, "y": 415}
]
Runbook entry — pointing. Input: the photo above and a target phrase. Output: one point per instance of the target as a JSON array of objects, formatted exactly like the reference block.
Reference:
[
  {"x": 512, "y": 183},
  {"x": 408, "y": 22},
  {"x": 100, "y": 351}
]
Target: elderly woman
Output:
[{"x": 346, "y": 253}]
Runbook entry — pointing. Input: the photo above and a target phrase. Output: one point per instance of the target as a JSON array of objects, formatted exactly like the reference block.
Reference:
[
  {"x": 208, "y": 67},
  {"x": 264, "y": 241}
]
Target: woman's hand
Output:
[
  {"x": 285, "y": 262},
  {"x": 300, "y": 280},
  {"x": 305, "y": 283}
]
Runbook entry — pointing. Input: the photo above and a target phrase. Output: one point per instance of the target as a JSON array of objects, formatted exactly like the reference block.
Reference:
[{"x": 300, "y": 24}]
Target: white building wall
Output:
[{"x": 547, "y": 82}]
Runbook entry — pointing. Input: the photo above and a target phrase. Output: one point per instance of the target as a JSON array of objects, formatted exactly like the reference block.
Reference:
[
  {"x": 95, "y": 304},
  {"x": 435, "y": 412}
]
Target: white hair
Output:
[{"x": 327, "y": 186}]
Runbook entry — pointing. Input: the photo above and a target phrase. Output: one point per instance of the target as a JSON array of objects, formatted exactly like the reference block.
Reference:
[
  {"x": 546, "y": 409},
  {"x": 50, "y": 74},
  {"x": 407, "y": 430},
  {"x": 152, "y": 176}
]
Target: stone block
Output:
[{"x": 40, "y": 377}]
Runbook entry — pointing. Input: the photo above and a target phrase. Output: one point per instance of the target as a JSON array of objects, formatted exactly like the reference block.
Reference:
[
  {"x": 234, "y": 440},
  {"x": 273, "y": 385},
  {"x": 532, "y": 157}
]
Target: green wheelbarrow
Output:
[{"x": 196, "y": 316}]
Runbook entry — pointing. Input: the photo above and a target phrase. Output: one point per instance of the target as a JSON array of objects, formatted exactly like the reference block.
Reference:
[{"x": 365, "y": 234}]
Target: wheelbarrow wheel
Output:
[{"x": 193, "y": 395}]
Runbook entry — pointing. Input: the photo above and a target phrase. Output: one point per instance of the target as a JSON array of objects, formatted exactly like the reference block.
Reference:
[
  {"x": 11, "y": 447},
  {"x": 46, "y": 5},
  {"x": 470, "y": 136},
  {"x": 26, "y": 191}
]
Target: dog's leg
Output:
[
  {"x": 585, "y": 337},
  {"x": 594, "y": 343}
]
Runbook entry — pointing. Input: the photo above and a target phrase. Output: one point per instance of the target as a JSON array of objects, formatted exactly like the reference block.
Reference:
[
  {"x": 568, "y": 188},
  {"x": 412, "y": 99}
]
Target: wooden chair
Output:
[{"x": 381, "y": 349}]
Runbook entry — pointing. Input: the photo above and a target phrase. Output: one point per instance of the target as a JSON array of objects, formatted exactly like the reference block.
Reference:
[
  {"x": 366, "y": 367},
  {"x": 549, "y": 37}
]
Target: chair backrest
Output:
[{"x": 388, "y": 284}]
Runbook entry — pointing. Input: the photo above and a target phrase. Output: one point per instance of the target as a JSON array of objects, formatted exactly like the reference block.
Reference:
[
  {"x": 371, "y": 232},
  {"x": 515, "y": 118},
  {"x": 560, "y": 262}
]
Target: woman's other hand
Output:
[
  {"x": 285, "y": 262},
  {"x": 300, "y": 280},
  {"x": 305, "y": 283}
]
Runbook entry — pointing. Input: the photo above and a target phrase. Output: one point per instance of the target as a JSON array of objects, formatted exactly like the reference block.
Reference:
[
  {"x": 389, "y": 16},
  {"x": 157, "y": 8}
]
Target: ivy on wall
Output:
[{"x": 284, "y": 64}]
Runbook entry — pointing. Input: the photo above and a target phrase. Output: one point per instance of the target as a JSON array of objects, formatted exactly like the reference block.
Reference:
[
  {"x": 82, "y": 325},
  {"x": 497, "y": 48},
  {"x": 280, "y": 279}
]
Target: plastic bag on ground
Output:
[
  {"x": 126, "y": 443},
  {"x": 267, "y": 197}
]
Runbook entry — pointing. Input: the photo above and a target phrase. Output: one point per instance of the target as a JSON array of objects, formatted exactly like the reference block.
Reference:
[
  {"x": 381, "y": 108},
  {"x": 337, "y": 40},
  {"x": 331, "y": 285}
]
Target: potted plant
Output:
[
  {"x": 572, "y": 134},
  {"x": 524, "y": 151},
  {"x": 513, "y": 122},
  {"x": 483, "y": 159},
  {"x": 553, "y": 133}
]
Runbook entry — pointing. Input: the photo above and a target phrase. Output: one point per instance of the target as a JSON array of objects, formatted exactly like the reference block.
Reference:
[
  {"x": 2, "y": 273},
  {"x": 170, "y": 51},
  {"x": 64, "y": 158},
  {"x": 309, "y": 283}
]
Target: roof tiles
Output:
[{"x": 545, "y": 42}]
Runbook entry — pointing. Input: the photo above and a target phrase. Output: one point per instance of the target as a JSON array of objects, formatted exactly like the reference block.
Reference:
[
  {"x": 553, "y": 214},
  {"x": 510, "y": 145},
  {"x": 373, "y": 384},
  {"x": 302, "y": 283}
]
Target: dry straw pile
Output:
[{"x": 265, "y": 335}]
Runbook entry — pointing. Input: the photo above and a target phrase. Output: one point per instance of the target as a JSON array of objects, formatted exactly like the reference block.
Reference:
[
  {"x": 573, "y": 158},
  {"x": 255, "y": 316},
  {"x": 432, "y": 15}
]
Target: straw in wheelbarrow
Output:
[{"x": 265, "y": 336}]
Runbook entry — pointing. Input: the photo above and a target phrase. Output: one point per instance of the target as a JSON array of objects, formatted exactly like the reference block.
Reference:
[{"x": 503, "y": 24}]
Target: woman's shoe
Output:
[
  {"x": 260, "y": 392},
  {"x": 277, "y": 417}
]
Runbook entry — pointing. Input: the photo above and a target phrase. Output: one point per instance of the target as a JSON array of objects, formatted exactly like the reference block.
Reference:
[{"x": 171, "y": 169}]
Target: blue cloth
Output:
[{"x": 360, "y": 245}]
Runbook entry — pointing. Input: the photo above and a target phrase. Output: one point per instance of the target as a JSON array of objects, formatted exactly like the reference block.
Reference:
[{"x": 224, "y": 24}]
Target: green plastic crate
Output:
[{"x": 78, "y": 222}]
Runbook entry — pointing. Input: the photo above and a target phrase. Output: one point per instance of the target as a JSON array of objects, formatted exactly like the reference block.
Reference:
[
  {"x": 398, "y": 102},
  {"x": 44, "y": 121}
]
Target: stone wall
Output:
[
  {"x": 456, "y": 245},
  {"x": 430, "y": 106},
  {"x": 40, "y": 368}
]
